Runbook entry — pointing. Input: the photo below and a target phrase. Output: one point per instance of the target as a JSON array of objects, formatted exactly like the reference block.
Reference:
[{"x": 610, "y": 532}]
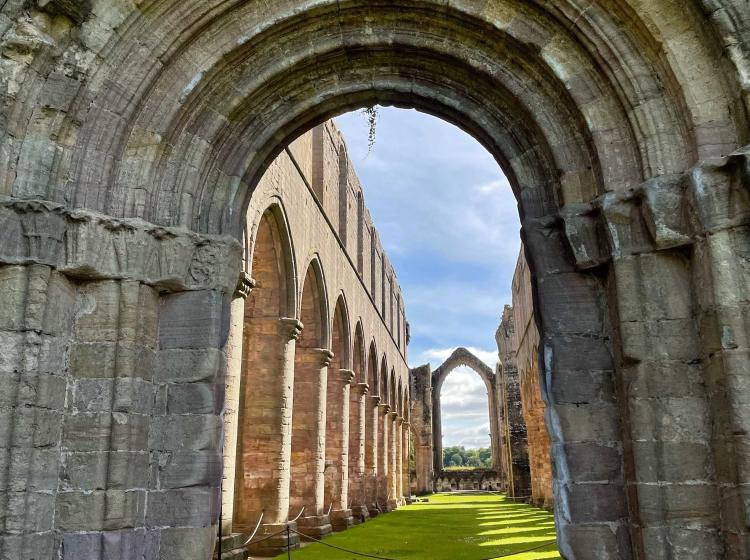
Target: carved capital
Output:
[
  {"x": 347, "y": 376},
  {"x": 399, "y": 420},
  {"x": 360, "y": 389},
  {"x": 375, "y": 400},
  {"x": 245, "y": 284},
  {"x": 393, "y": 415},
  {"x": 384, "y": 408},
  {"x": 326, "y": 357},
  {"x": 291, "y": 327}
]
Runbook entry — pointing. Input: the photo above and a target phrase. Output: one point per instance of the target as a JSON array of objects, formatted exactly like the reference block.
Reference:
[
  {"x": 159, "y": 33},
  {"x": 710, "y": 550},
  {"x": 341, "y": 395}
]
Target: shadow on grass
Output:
[{"x": 447, "y": 527}]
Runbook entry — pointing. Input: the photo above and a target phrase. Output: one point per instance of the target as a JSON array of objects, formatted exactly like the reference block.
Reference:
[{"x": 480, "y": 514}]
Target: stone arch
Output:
[
  {"x": 268, "y": 327},
  {"x": 311, "y": 360},
  {"x": 339, "y": 379},
  {"x": 463, "y": 357},
  {"x": 611, "y": 123},
  {"x": 359, "y": 354}
]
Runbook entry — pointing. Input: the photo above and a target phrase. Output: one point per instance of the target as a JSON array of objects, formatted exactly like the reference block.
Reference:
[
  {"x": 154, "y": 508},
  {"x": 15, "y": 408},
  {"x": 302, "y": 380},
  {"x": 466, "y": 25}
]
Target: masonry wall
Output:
[{"x": 525, "y": 343}]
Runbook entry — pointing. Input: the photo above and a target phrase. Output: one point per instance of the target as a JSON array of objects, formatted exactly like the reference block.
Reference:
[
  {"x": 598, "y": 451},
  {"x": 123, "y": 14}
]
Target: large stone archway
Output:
[
  {"x": 132, "y": 139},
  {"x": 463, "y": 357}
]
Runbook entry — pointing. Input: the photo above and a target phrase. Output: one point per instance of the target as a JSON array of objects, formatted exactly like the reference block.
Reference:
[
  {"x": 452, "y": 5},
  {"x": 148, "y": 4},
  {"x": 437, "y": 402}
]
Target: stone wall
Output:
[
  {"x": 133, "y": 136},
  {"x": 514, "y": 441},
  {"x": 525, "y": 344},
  {"x": 478, "y": 479}
]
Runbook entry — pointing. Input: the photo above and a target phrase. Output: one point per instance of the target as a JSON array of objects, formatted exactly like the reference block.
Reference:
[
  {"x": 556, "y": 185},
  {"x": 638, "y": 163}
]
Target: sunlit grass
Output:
[{"x": 449, "y": 526}]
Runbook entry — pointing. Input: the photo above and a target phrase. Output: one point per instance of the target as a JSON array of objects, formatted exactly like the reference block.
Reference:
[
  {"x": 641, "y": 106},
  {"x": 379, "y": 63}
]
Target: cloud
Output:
[{"x": 448, "y": 220}]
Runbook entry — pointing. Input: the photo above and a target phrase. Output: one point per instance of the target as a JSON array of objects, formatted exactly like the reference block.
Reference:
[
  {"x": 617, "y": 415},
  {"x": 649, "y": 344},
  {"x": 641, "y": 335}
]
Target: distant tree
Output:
[{"x": 456, "y": 460}]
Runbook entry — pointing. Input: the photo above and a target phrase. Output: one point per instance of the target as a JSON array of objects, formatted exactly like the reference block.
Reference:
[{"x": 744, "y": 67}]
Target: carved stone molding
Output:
[
  {"x": 87, "y": 245},
  {"x": 291, "y": 327},
  {"x": 347, "y": 376},
  {"x": 361, "y": 389},
  {"x": 245, "y": 284},
  {"x": 375, "y": 400},
  {"x": 326, "y": 357},
  {"x": 384, "y": 408},
  {"x": 393, "y": 414}
]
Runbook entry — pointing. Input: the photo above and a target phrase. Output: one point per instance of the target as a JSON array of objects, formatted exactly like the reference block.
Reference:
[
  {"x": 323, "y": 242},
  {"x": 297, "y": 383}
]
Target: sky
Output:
[{"x": 449, "y": 223}]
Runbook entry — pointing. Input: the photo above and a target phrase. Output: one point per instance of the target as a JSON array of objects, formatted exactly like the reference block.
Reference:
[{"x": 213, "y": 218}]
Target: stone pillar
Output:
[
  {"x": 399, "y": 471},
  {"x": 422, "y": 425},
  {"x": 406, "y": 439},
  {"x": 232, "y": 382},
  {"x": 307, "y": 488},
  {"x": 265, "y": 437},
  {"x": 337, "y": 449},
  {"x": 358, "y": 410},
  {"x": 372, "y": 453},
  {"x": 383, "y": 461},
  {"x": 393, "y": 443}
]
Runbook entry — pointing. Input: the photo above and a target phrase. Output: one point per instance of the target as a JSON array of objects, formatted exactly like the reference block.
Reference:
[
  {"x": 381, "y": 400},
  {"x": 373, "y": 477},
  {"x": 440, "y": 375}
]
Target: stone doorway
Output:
[{"x": 134, "y": 137}]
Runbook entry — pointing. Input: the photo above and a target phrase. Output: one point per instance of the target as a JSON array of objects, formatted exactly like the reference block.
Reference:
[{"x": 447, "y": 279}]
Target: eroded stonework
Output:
[{"x": 621, "y": 125}]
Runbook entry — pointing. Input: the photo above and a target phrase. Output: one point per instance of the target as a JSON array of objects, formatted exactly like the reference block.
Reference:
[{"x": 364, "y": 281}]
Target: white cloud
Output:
[{"x": 449, "y": 221}]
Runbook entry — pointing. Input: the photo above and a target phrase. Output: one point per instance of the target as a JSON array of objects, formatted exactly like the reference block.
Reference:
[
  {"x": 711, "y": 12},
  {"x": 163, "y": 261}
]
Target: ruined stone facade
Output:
[
  {"x": 524, "y": 342},
  {"x": 133, "y": 136},
  {"x": 514, "y": 441}
]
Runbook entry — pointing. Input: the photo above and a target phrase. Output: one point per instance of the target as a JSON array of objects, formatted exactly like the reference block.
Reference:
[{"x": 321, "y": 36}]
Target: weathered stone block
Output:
[
  {"x": 185, "y": 469},
  {"x": 670, "y": 419},
  {"x": 27, "y": 512},
  {"x": 178, "y": 544},
  {"x": 116, "y": 470},
  {"x": 590, "y": 502},
  {"x": 103, "y": 431},
  {"x": 27, "y": 468},
  {"x": 572, "y": 303},
  {"x": 193, "y": 432},
  {"x": 194, "y": 320},
  {"x": 187, "y": 507},
  {"x": 593, "y": 541},
  {"x": 188, "y": 365},
  {"x": 27, "y": 426},
  {"x": 97, "y": 511},
  {"x": 585, "y": 235},
  {"x": 664, "y": 542},
  {"x": 588, "y": 462},
  {"x": 583, "y": 423},
  {"x": 657, "y": 461},
  {"x": 676, "y": 503},
  {"x": 664, "y": 209},
  {"x": 194, "y": 398},
  {"x": 580, "y": 387},
  {"x": 29, "y": 546}
]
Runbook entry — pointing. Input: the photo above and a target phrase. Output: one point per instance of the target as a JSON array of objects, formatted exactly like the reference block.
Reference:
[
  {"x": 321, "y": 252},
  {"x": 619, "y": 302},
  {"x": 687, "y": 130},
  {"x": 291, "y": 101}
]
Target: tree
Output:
[{"x": 456, "y": 460}]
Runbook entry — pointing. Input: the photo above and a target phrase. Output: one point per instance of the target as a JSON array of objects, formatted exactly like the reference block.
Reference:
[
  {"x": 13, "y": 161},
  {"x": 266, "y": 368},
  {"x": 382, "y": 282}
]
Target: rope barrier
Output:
[{"x": 289, "y": 530}]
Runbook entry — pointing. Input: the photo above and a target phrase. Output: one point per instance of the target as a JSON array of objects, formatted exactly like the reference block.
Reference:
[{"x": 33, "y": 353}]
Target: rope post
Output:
[{"x": 288, "y": 542}]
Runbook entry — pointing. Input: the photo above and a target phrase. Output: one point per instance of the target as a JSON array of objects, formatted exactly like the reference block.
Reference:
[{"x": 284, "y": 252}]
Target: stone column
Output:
[
  {"x": 307, "y": 489},
  {"x": 337, "y": 449},
  {"x": 399, "y": 471},
  {"x": 383, "y": 462},
  {"x": 265, "y": 437},
  {"x": 405, "y": 480},
  {"x": 232, "y": 382},
  {"x": 372, "y": 453},
  {"x": 357, "y": 455},
  {"x": 393, "y": 443}
]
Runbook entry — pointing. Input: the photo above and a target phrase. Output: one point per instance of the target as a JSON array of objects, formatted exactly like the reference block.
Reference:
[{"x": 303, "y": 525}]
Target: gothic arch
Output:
[
  {"x": 620, "y": 128},
  {"x": 463, "y": 357}
]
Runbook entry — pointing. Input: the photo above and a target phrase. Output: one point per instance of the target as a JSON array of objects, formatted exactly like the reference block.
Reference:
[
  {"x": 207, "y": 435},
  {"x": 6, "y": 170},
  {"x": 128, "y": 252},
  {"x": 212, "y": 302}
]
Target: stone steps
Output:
[{"x": 232, "y": 547}]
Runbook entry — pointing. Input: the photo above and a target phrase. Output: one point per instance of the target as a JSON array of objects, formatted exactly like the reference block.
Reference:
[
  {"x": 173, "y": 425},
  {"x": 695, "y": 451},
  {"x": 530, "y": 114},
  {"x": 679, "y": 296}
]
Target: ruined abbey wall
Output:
[
  {"x": 133, "y": 136},
  {"x": 525, "y": 342}
]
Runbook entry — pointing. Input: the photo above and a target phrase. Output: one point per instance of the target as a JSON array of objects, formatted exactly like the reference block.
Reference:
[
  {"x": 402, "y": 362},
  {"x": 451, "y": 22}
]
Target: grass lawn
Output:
[{"x": 449, "y": 526}]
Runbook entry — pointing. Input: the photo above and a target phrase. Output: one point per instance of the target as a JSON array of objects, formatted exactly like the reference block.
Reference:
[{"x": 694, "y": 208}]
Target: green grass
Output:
[{"x": 449, "y": 526}]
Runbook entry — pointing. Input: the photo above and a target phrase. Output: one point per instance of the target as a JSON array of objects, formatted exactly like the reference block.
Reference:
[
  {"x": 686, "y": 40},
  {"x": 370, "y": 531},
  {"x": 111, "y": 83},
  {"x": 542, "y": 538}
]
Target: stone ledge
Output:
[{"x": 88, "y": 245}]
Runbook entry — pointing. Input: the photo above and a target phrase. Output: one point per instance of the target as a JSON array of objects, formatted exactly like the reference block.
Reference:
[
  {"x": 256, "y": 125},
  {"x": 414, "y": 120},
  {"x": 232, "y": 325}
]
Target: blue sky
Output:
[{"x": 449, "y": 223}]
